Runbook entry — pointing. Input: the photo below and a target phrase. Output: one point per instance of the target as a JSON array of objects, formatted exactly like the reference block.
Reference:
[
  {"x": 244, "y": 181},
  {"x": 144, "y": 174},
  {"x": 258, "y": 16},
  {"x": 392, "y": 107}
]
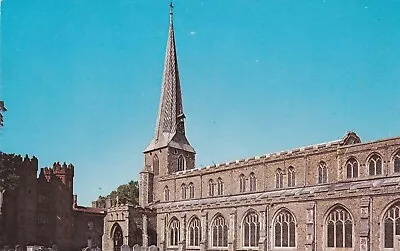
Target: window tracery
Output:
[
  {"x": 194, "y": 232},
  {"x": 242, "y": 183},
  {"x": 253, "y": 182},
  {"x": 191, "y": 190},
  {"x": 339, "y": 227},
  {"x": 251, "y": 230},
  {"x": 291, "y": 177},
  {"x": 396, "y": 162},
  {"x": 174, "y": 230},
  {"x": 391, "y": 221},
  {"x": 220, "y": 187},
  {"x": 211, "y": 188},
  {"x": 181, "y": 163},
  {"x": 322, "y": 173},
  {"x": 352, "y": 168},
  {"x": 284, "y": 230},
  {"x": 375, "y": 165},
  {"x": 219, "y": 232},
  {"x": 279, "y": 178}
]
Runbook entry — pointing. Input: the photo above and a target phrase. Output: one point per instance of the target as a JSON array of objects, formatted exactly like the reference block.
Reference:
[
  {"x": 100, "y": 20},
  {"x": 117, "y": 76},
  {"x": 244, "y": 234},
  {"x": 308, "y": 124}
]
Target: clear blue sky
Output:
[{"x": 81, "y": 79}]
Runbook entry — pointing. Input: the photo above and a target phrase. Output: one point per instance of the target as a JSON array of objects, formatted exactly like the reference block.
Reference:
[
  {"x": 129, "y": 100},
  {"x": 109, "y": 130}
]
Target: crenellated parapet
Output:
[{"x": 65, "y": 172}]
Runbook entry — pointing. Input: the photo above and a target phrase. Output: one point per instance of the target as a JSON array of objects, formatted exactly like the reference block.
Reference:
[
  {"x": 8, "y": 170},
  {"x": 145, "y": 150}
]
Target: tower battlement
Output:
[{"x": 63, "y": 171}]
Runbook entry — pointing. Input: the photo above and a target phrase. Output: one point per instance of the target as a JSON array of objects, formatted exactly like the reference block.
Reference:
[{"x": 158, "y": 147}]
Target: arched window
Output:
[
  {"x": 339, "y": 226},
  {"x": 391, "y": 221},
  {"x": 166, "y": 193},
  {"x": 181, "y": 163},
  {"x": 183, "y": 189},
  {"x": 279, "y": 178},
  {"x": 375, "y": 165},
  {"x": 174, "y": 232},
  {"x": 352, "y": 168},
  {"x": 253, "y": 182},
  {"x": 284, "y": 230},
  {"x": 242, "y": 183},
  {"x": 220, "y": 187},
  {"x": 191, "y": 190},
  {"x": 194, "y": 232},
  {"x": 291, "y": 177},
  {"x": 210, "y": 188},
  {"x": 396, "y": 161},
  {"x": 219, "y": 232},
  {"x": 322, "y": 173},
  {"x": 251, "y": 230},
  {"x": 156, "y": 165}
]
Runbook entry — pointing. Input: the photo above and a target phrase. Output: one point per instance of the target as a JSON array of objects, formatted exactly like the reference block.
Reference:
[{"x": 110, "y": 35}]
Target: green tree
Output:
[
  {"x": 2, "y": 110},
  {"x": 126, "y": 193},
  {"x": 8, "y": 172}
]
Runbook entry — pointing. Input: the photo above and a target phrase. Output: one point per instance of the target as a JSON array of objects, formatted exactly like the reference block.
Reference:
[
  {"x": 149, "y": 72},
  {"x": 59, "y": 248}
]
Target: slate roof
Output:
[{"x": 170, "y": 128}]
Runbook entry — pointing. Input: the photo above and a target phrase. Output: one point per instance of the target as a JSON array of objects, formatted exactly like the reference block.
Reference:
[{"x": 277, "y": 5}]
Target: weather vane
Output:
[{"x": 171, "y": 6}]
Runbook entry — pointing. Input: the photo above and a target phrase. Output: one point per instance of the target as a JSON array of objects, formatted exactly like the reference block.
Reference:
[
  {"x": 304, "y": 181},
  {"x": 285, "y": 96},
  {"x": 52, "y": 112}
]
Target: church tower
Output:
[{"x": 169, "y": 150}]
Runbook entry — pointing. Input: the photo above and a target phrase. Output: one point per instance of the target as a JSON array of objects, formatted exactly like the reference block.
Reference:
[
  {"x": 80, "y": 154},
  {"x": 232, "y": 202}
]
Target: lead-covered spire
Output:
[{"x": 170, "y": 126}]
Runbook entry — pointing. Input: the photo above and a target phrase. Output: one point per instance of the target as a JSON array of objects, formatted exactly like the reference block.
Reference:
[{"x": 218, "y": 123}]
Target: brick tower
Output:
[{"x": 169, "y": 151}]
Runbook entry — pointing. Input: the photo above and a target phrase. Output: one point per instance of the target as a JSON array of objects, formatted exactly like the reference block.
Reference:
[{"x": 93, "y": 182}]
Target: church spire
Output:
[{"x": 170, "y": 127}]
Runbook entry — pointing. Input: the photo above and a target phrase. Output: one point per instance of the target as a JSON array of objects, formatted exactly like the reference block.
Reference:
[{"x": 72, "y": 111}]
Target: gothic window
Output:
[
  {"x": 352, "y": 168},
  {"x": 194, "y": 232},
  {"x": 191, "y": 190},
  {"x": 166, "y": 193},
  {"x": 322, "y": 173},
  {"x": 183, "y": 189},
  {"x": 339, "y": 226},
  {"x": 284, "y": 230},
  {"x": 174, "y": 232},
  {"x": 220, "y": 187},
  {"x": 279, "y": 178},
  {"x": 253, "y": 182},
  {"x": 242, "y": 183},
  {"x": 291, "y": 177},
  {"x": 391, "y": 221},
  {"x": 396, "y": 161},
  {"x": 219, "y": 232},
  {"x": 156, "y": 165},
  {"x": 375, "y": 165},
  {"x": 210, "y": 188},
  {"x": 181, "y": 163},
  {"x": 251, "y": 230}
]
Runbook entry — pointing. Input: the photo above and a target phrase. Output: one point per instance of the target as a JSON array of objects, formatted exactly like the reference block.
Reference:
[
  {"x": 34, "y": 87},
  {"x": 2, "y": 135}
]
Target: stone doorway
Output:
[{"x": 117, "y": 237}]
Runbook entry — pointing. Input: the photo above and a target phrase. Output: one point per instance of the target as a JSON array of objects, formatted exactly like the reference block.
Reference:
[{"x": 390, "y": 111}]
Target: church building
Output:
[{"x": 339, "y": 195}]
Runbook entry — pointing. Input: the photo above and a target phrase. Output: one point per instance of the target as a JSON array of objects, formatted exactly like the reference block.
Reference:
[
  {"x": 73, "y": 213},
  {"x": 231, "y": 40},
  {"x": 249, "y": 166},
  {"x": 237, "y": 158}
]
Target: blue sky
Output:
[{"x": 81, "y": 79}]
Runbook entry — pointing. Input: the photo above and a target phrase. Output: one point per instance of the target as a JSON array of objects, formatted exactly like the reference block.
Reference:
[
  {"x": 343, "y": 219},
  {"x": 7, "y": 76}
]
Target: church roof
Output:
[{"x": 170, "y": 128}]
